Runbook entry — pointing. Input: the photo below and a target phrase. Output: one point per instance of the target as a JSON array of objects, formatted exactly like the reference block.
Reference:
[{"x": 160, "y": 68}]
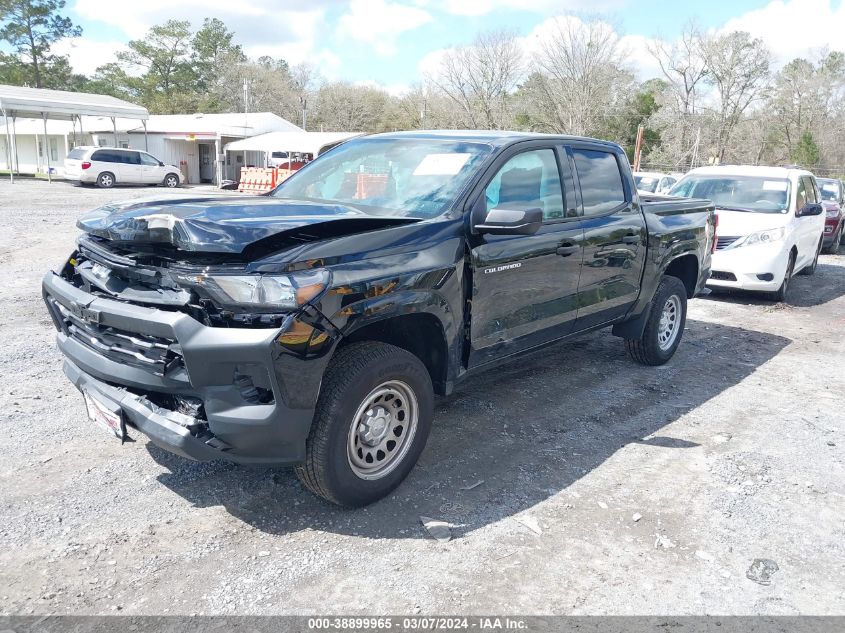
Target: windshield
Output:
[
  {"x": 646, "y": 183},
  {"x": 737, "y": 193},
  {"x": 383, "y": 176},
  {"x": 829, "y": 188}
]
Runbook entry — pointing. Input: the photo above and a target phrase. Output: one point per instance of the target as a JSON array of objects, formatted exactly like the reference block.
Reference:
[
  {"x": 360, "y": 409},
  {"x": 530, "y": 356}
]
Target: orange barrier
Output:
[
  {"x": 257, "y": 180},
  {"x": 261, "y": 179}
]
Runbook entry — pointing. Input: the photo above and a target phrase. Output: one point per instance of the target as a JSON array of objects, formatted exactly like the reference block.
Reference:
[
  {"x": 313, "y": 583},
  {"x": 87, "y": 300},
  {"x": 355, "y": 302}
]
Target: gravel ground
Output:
[{"x": 653, "y": 489}]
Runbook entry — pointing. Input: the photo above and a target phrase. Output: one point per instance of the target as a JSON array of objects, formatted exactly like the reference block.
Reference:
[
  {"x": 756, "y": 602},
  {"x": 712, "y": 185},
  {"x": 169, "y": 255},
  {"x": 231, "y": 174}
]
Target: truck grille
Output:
[
  {"x": 724, "y": 242},
  {"x": 155, "y": 354}
]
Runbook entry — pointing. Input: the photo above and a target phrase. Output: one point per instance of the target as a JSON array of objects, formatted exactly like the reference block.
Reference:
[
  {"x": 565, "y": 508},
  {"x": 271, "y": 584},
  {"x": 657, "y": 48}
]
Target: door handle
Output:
[
  {"x": 633, "y": 238},
  {"x": 567, "y": 250}
]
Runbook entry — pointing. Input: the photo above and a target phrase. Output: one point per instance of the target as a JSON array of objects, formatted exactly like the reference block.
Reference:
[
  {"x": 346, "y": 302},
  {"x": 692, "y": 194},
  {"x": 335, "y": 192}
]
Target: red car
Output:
[{"x": 833, "y": 200}]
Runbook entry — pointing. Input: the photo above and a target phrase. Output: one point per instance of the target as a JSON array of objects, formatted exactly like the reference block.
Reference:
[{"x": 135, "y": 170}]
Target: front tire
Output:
[
  {"x": 811, "y": 269},
  {"x": 665, "y": 325},
  {"x": 105, "y": 180},
  {"x": 171, "y": 181},
  {"x": 372, "y": 421},
  {"x": 780, "y": 294}
]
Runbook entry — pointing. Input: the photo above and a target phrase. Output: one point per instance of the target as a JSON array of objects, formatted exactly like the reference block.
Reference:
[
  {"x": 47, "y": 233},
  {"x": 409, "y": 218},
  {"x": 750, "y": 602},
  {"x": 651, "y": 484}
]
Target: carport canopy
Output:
[
  {"x": 304, "y": 142},
  {"x": 18, "y": 101}
]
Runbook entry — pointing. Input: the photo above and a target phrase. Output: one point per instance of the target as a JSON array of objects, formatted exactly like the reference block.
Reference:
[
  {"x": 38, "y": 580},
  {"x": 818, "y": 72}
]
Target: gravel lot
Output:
[{"x": 653, "y": 489}]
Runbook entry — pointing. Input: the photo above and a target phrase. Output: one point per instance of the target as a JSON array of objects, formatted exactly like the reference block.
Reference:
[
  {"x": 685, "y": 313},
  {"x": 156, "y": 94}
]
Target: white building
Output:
[{"x": 192, "y": 141}]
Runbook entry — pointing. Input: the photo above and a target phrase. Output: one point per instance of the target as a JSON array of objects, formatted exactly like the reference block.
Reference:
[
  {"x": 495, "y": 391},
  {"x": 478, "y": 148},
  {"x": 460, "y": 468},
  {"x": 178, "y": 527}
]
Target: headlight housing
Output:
[
  {"x": 260, "y": 292},
  {"x": 832, "y": 213},
  {"x": 761, "y": 237}
]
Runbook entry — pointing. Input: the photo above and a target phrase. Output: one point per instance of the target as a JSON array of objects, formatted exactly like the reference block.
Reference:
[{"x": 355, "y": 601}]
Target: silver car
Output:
[{"x": 106, "y": 166}]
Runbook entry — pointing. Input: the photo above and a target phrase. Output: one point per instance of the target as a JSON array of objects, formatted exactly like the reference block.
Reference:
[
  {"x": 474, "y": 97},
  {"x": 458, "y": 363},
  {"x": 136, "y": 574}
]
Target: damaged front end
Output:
[{"x": 207, "y": 359}]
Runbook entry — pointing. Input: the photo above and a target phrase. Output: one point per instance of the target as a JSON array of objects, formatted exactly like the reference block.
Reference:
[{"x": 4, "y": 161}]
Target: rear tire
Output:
[
  {"x": 665, "y": 325},
  {"x": 105, "y": 180},
  {"x": 371, "y": 423},
  {"x": 811, "y": 269}
]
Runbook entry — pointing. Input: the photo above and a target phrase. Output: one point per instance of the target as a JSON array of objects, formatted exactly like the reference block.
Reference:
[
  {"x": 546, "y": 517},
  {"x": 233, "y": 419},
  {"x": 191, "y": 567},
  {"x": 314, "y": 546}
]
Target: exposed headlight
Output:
[
  {"x": 761, "y": 237},
  {"x": 263, "y": 292}
]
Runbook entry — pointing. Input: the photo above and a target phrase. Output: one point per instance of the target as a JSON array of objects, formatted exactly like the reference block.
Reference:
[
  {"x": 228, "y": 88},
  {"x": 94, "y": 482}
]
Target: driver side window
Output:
[{"x": 528, "y": 180}]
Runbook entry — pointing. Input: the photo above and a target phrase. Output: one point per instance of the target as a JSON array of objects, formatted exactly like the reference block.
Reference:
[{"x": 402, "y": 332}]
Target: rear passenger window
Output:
[
  {"x": 601, "y": 182},
  {"x": 527, "y": 181},
  {"x": 105, "y": 156},
  {"x": 129, "y": 158}
]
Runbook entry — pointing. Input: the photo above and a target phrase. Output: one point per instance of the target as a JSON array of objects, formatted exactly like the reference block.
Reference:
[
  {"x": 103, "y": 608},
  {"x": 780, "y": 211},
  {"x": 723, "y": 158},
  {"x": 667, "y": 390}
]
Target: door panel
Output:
[
  {"x": 130, "y": 167},
  {"x": 614, "y": 254},
  {"x": 150, "y": 169},
  {"x": 525, "y": 287},
  {"x": 615, "y": 238}
]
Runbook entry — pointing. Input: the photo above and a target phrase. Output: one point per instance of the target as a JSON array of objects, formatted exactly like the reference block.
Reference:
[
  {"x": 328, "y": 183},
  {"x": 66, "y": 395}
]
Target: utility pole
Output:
[
  {"x": 304, "y": 103},
  {"x": 638, "y": 147},
  {"x": 246, "y": 106}
]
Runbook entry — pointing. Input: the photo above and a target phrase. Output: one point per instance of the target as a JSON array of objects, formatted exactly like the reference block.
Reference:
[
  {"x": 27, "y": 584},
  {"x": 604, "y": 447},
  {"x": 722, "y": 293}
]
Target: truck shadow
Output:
[
  {"x": 827, "y": 284},
  {"x": 527, "y": 431}
]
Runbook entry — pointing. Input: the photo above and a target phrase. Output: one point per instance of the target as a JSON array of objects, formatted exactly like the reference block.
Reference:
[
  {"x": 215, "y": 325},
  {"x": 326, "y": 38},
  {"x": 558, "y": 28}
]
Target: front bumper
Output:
[
  {"x": 201, "y": 362},
  {"x": 761, "y": 267}
]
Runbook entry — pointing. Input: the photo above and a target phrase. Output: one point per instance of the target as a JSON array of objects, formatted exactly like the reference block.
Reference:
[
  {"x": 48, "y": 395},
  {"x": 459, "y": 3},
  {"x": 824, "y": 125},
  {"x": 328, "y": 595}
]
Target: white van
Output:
[
  {"x": 105, "y": 166},
  {"x": 770, "y": 224}
]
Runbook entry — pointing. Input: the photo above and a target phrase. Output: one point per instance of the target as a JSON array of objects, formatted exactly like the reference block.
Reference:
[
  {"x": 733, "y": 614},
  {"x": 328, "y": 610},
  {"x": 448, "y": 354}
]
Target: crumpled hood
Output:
[{"x": 225, "y": 224}]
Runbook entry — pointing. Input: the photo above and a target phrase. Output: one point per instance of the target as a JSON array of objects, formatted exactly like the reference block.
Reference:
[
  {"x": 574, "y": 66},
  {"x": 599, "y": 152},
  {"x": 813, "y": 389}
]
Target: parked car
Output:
[
  {"x": 107, "y": 166},
  {"x": 833, "y": 201},
  {"x": 770, "y": 224},
  {"x": 313, "y": 326},
  {"x": 289, "y": 160},
  {"x": 654, "y": 181}
]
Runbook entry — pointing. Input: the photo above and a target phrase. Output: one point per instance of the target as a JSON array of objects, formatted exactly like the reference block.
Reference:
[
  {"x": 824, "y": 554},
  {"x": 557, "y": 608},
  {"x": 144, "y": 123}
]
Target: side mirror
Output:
[
  {"x": 811, "y": 208},
  {"x": 503, "y": 221},
  {"x": 160, "y": 164}
]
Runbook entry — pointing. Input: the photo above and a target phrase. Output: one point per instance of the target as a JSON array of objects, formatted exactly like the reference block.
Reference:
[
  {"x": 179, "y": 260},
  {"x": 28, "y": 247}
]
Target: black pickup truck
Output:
[{"x": 313, "y": 326}]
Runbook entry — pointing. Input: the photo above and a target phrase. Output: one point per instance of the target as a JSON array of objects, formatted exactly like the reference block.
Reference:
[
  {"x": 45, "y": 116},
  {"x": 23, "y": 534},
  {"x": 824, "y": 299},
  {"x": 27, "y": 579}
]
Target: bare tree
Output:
[
  {"x": 480, "y": 79},
  {"x": 580, "y": 76},
  {"x": 682, "y": 65},
  {"x": 738, "y": 70},
  {"x": 344, "y": 107}
]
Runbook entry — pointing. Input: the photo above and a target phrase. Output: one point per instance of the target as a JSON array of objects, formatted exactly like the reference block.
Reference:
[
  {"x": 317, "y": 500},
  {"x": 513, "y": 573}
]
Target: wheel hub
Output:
[
  {"x": 382, "y": 430},
  {"x": 668, "y": 326},
  {"x": 375, "y": 425}
]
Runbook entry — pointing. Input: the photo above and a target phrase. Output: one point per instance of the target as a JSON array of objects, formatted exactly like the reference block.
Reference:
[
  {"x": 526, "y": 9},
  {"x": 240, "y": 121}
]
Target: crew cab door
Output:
[
  {"x": 525, "y": 287},
  {"x": 615, "y": 236}
]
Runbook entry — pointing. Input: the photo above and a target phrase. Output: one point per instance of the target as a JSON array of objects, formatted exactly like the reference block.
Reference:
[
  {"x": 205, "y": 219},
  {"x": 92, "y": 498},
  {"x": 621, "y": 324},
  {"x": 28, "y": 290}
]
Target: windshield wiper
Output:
[{"x": 726, "y": 208}]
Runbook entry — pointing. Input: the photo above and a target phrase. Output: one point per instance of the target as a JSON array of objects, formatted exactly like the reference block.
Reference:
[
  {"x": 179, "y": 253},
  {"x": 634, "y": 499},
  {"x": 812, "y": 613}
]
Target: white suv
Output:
[
  {"x": 770, "y": 224},
  {"x": 105, "y": 166}
]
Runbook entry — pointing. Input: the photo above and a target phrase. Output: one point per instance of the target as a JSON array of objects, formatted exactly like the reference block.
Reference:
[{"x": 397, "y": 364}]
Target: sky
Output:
[{"x": 393, "y": 43}]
